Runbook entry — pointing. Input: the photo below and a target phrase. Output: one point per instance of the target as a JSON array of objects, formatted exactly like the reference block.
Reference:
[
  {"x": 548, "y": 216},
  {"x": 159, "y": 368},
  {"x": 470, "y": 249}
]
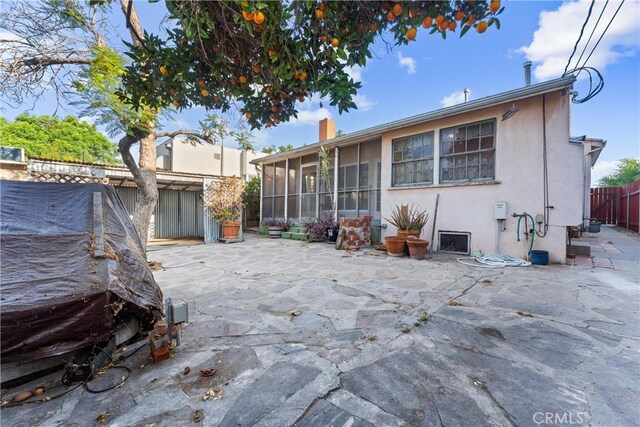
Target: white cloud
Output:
[
  {"x": 559, "y": 29},
  {"x": 602, "y": 169},
  {"x": 179, "y": 123},
  {"x": 260, "y": 139},
  {"x": 355, "y": 72},
  {"x": 363, "y": 102},
  {"x": 407, "y": 62},
  {"x": 454, "y": 98},
  {"x": 310, "y": 117}
]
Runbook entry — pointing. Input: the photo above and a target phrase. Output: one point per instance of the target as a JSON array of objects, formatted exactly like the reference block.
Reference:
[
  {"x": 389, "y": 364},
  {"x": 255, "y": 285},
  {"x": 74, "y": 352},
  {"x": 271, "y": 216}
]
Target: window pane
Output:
[
  {"x": 477, "y": 139},
  {"x": 280, "y": 178},
  {"x": 419, "y": 149},
  {"x": 294, "y": 184},
  {"x": 363, "y": 203},
  {"x": 292, "y": 207},
  {"x": 364, "y": 175},
  {"x": 350, "y": 176},
  {"x": 268, "y": 180},
  {"x": 487, "y": 142},
  {"x": 350, "y": 200},
  {"x": 267, "y": 207},
  {"x": 278, "y": 207}
]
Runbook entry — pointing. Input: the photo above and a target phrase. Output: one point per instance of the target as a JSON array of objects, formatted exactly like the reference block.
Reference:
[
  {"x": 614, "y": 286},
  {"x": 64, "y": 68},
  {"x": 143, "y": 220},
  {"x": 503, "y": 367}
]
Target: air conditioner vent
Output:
[{"x": 456, "y": 242}]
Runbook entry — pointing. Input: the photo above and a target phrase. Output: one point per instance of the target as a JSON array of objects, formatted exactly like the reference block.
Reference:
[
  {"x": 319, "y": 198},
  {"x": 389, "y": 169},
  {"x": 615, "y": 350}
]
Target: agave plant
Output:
[
  {"x": 400, "y": 217},
  {"x": 418, "y": 218}
]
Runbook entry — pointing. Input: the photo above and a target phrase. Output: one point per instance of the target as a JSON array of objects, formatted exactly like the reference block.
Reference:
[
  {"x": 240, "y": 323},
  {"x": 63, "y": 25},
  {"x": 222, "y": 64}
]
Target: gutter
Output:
[{"x": 377, "y": 131}]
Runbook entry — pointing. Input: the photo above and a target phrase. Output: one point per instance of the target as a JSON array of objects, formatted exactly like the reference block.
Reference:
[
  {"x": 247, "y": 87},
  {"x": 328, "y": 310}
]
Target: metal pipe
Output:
[{"x": 527, "y": 73}]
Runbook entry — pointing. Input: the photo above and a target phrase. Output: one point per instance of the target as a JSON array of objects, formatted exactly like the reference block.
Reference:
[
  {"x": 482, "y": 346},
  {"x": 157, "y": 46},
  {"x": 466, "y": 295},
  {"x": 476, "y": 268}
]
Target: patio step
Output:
[
  {"x": 296, "y": 229},
  {"x": 293, "y": 235}
]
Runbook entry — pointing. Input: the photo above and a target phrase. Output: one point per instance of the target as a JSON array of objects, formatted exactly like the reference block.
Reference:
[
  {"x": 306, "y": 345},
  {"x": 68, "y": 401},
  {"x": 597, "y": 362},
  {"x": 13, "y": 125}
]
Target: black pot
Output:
[{"x": 332, "y": 234}]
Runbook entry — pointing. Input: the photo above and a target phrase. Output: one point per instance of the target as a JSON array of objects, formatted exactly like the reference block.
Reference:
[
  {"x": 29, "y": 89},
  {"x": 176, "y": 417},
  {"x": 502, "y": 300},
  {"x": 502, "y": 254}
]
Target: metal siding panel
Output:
[
  {"x": 128, "y": 196},
  {"x": 211, "y": 227},
  {"x": 199, "y": 216},
  {"x": 168, "y": 214},
  {"x": 187, "y": 214}
]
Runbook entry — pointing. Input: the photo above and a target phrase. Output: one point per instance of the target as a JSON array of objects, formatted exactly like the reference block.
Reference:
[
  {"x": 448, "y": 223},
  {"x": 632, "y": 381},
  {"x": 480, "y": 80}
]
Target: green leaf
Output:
[
  {"x": 464, "y": 30},
  {"x": 497, "y": 22}
]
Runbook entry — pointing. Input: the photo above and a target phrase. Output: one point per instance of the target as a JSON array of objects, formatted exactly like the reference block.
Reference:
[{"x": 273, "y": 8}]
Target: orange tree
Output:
[{"x": 271, "y": 55}]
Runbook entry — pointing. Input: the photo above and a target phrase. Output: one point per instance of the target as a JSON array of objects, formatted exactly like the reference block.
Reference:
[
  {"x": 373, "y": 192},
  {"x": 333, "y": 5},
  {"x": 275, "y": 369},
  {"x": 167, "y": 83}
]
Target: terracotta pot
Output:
[
  {"x": 407, "y": 233},
  {"x": 230, "y": 229},
  {"x": 395, "y": 245},
  {"x": 417, "y": 248}
]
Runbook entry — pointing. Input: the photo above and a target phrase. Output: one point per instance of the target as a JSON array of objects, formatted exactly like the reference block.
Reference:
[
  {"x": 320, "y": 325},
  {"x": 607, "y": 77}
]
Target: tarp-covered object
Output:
[{"x": 58, "y": 292}]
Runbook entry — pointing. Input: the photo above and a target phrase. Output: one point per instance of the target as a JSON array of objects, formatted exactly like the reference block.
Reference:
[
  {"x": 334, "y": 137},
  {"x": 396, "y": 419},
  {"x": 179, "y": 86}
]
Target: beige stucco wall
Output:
[
  {"x": 519, "y": 179},
  {"x": 201, "y": 158},
  {"x": 13, "y": 171}
]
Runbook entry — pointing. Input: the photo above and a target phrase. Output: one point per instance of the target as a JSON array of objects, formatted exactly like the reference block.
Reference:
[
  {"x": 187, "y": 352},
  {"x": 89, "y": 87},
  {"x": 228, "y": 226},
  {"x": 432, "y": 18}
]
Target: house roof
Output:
[{"x": 377, "y": 131}]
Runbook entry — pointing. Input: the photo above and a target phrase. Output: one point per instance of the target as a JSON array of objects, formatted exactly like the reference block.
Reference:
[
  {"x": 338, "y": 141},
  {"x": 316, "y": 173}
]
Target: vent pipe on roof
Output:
[
  {"x": 527, "y": 73},
  {"x": 466, "y": 94}
]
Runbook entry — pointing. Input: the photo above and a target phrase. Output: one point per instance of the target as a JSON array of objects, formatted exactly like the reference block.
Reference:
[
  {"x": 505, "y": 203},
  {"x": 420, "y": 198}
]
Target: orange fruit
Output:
[
  {"x": 256, "y": 68},
  {"x": 443, "y": 25},
  {"x": 233, "y": 81},
  {"x": 385, "y": 6},
  {"x": 248, "y": 115},
  {"x": 373, "y": 28},
  {"x": 247, "y": 16},
  {"x": 323, "y": 38},
  {"x": 470, "y": 21},
  {"x": 296, "y": 75},
  {"x": 204, "y": 92},
  {"x": 183, "y": 41},
  {"x": 411, "y": 33},
  {"x": 397, "y": 9},
  {"x": 173, "y": 91},
  {"x": 452, "y": 25},
  {"x": 258, "y": 18},
  {"x": 427, "y": 22},
  {"x": 267, "y": 89},
  {"x": 200, "y": 82},
  {"x": 242, "y": 79},
  {"x": 272, "y": 115},
  {"x": 322, "y": 7},
  {"x": 412, "y": 13},
  {"x": 269, "y": 124},
  {"x": 303, "y": 76},
  {"x": 459, "y": 15},
  {"x": 319, "y": 14},
  {"x": 301, "y": 98},
  {"x": 390, "y": 16},
  {"x": 163, "y": 70},
  {"x": 482, "y": 27},
  {"x": 272, "y": 53},
  {"x": 274, "y": 108},
  {"x": 277, "y": 121},
  {"x": 176, "y": 103},
  {"x": 439, "y": 19},
  {"x": 335, "y": 42},
  {"x": 494, "y": 6}
]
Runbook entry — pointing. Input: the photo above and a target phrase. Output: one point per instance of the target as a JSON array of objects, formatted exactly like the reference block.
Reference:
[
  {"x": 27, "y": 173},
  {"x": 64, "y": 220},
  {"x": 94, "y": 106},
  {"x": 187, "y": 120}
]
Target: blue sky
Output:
[{"x": 430, "y": 73}]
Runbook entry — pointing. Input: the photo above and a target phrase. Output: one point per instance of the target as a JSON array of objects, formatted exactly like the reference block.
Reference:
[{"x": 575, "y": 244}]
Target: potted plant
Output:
[
  {"x": 417, "y": 247},
  {"x": 224, "y": 200},
  {"x": 324, "y": 168},
  {"x": 409, "y": 222},
  {"x": 276, "y": 226}
]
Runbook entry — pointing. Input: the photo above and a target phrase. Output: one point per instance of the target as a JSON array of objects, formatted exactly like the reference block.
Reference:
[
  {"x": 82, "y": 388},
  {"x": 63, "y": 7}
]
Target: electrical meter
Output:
[{"x": 500, "y": 210}]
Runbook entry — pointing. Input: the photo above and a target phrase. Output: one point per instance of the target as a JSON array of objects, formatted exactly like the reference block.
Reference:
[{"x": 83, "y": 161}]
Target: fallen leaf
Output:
[
  {"x": 22, "y": 396},
  {"x": 39, "y": 391},
  {"x": 197, "y": 416},
  {"x": 294, "y": 313},
  {"x": 186, "y": 370},
  {"x": 46, "y": 399},
  {"x": 207, "y": 372},
  {"x": 213, "y": 394},
  {"x": 102, "y": 418}
]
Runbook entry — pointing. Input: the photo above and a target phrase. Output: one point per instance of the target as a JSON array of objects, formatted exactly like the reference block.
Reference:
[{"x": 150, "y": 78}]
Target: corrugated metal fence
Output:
[
  {"x": 179, "y": 213},
  {"x": 617, "y": 205}
]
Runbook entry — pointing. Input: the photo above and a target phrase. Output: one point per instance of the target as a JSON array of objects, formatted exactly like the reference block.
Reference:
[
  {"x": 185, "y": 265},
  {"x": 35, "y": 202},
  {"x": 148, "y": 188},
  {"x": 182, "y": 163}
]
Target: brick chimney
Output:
[{"x": 327, "y": 130}]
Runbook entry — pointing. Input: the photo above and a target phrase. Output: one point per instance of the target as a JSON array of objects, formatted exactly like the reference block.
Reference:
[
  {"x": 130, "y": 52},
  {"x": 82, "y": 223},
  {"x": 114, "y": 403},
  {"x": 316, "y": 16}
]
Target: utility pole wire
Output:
[
  {"x": 603, "y": 33},
  {"x": 592, "y": 32},
  {"x": 579, "y": 37}
]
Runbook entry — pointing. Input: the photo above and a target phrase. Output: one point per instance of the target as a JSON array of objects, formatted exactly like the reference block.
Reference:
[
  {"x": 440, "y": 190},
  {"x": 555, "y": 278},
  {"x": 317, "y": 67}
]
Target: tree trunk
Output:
[{"x": 144, "y": 175}]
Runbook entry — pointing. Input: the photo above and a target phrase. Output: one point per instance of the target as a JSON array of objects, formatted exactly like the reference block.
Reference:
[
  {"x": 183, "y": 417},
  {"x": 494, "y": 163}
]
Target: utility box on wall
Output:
[{"x": 500, "y": 210}]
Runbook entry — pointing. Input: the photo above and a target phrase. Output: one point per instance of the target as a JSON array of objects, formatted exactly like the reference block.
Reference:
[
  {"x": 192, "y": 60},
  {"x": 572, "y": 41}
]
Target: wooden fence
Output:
[{"x": 617, "y": 205}]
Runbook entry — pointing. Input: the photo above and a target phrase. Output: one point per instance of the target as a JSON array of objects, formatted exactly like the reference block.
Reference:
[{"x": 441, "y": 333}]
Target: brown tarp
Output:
[{"x": 57, "y": 294}]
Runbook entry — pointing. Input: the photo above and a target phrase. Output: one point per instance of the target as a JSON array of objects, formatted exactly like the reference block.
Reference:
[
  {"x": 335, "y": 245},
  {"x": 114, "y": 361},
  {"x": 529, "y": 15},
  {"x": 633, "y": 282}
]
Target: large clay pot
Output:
[
  {"x": 417, "y": 248},
  {"x": 409, "y": 233},
  {"x": 395, "y": 245},
  {"x": 230, "y": 229}
]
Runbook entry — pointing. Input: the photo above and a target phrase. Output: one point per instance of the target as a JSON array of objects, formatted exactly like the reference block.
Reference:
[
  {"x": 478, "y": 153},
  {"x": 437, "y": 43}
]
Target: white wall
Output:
[
  {"x": 519, "y": 179},
  {"x": 206, "y": 159}
]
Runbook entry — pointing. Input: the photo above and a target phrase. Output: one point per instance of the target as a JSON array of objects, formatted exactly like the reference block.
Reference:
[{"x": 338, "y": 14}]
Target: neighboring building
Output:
[
  {"x": 181, "y": 155},
  {"x": 513, "y": 147}
]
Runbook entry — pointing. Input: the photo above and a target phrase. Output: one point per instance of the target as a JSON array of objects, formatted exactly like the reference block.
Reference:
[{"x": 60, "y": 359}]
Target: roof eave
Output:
[{"x": 377, "y": 131}]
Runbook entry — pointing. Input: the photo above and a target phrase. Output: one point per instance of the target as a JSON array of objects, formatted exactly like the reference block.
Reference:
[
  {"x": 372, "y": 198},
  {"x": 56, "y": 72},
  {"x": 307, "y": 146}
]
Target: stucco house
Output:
[{"x": 489, "y": 162}]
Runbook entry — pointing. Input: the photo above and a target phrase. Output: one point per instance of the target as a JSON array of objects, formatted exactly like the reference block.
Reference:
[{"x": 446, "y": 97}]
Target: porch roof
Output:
[{"x": 377, "y": 131}]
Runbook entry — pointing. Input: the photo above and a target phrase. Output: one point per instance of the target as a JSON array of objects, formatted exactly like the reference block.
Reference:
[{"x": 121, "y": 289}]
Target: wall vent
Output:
[
  {"x": 216, "y": 156},
  {"x": 455, "y": 242}
]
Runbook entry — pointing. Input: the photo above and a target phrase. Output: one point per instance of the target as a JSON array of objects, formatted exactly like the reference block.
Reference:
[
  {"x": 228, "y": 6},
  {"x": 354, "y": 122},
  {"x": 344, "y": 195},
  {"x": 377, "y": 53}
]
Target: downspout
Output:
[
  {"x": 335, "y": 184},
  {"x": 261, "y": 188}
]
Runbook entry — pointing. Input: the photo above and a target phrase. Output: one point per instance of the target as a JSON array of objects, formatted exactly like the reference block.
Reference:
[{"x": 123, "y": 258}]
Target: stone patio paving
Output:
[{"x": 302, "y": 334}]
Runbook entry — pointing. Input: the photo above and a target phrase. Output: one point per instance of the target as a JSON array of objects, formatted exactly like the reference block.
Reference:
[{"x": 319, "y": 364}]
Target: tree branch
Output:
[
  {"x": 47, "y": 62},
  {"x": 124, "y": 146},
  {"x": 198, "y": 135}
]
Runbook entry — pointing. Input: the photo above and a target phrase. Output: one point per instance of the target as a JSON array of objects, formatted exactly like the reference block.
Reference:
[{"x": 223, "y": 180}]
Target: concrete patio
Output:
[{"x": 302, "y": 334}]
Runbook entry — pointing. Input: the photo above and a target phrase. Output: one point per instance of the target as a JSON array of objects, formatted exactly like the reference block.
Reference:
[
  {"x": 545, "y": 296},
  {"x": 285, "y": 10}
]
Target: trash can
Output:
[{"x": 594, "y": 226}]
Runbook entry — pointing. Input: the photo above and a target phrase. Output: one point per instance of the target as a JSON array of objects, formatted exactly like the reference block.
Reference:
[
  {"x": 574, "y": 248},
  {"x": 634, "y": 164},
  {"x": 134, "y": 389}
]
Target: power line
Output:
[
  {"x": 603, "y": 33},
  {"x": 579, "y": 37},
  {"x": 592, "y": 32}
]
